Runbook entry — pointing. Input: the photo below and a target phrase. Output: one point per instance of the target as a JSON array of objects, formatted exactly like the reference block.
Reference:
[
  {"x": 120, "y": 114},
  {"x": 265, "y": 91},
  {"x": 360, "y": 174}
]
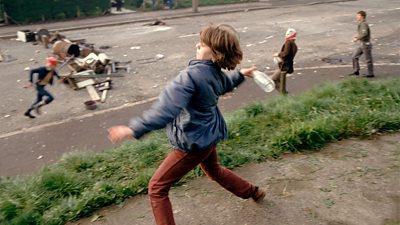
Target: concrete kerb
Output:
[{"x": 182, "y": 15}]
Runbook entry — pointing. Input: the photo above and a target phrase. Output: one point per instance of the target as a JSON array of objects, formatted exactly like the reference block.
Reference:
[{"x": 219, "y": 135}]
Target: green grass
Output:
[{"x": 80, "y": 183}]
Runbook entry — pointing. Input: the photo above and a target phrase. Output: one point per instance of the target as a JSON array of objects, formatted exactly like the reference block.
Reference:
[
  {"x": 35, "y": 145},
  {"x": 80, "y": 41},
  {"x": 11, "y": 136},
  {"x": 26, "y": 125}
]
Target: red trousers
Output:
[{"x": 176, "y": 165}]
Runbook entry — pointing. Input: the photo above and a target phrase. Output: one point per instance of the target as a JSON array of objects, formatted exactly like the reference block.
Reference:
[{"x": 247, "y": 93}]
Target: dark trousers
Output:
[
  {"x": 366, "y": 49},
  {"x": 176, "y": 165},
  {"x": 41, "y": 92}
]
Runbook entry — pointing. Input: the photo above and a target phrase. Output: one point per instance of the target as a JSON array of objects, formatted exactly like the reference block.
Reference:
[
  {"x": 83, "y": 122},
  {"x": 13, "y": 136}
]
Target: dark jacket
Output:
[
  {"x": 42, "y": 72},
  {"x": 188, "y": 107},
  {"x": 287, "y": 54}
]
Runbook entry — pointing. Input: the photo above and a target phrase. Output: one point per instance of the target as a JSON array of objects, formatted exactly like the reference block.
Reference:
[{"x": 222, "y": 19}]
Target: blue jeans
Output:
[{"x": 41, "y": 92}]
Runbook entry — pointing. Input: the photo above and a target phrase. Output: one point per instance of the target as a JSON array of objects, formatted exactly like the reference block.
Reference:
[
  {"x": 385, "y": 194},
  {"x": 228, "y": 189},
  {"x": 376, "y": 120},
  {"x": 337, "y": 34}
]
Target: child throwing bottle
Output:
[{"x": 188, "y": 109}]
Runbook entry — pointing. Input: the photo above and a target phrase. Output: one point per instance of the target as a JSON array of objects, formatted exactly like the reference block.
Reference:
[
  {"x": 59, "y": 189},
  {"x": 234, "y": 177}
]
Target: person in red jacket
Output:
[
  {"x": 45, "y": 76},
  {"x": 285, "y": 65}
]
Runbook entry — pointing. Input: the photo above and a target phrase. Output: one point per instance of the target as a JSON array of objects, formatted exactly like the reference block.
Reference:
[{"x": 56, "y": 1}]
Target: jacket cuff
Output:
[
  {"x": 137, "y": 127},
  {"x": 237, "y": 77}
]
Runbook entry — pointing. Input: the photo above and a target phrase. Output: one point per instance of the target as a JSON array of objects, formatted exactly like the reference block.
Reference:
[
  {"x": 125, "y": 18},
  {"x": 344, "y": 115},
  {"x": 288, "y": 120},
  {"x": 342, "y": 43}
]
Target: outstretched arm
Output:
[
  {"x": 119, "y": 133},
  {"x": 248, "y": 72},
  {"x": 173, "y": 99}
]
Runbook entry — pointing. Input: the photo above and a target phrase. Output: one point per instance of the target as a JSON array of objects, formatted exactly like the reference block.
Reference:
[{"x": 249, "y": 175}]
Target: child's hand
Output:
[
  {"x": 28, "y": 85},
  {"x": 118, "y": 133},
  {"x": 248, "y": 72}
]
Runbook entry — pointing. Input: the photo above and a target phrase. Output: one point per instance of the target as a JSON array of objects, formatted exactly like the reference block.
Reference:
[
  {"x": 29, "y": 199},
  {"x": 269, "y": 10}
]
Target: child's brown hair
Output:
[{"x": 224, "y": 43}]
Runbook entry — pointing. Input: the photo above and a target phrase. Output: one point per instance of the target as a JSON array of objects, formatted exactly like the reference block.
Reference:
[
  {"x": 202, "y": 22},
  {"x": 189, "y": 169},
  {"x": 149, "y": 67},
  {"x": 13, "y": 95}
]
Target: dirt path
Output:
[{"x": 349, "y": 182}]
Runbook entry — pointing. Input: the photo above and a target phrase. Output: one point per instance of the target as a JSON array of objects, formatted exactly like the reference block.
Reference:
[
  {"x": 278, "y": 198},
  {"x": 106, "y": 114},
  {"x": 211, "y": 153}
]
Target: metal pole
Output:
[{"x": 195, "y": 4}]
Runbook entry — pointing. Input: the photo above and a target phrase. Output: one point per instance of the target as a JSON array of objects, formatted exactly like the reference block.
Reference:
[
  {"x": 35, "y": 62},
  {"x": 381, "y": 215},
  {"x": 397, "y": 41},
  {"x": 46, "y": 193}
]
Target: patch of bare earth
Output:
[{"x": 351, "y": 182}]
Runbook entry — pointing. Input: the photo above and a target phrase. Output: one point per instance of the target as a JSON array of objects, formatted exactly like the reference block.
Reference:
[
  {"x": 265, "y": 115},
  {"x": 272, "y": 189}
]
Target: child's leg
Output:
[
  {"x": 172, "y": 169},
  {"x": 226, "y": 178},
  {"x": 49, "y": 99},
  {"x": 276, "y": 78},
  {"x": 39, "y": 98},
  {"x": 283, "y": 83}
]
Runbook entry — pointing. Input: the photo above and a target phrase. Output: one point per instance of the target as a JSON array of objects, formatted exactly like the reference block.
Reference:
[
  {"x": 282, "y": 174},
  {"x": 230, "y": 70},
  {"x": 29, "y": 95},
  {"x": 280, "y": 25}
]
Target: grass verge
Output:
[{"x": 80, "y": 183}]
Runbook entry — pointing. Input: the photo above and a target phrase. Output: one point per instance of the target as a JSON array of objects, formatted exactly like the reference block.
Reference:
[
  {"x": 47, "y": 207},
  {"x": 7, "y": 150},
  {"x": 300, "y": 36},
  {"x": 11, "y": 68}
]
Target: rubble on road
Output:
[
  {"x": 5, "y": 57},
  {"x": 86, "y": 66},
  {"x": 93, "y": 71}
]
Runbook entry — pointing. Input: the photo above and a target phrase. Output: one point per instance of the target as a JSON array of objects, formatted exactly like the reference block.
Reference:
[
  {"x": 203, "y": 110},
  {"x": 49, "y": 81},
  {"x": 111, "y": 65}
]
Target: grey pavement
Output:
[{"x": 139, "y": 17}]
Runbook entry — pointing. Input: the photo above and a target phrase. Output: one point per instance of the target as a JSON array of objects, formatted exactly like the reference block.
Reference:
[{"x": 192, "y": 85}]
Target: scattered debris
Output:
[
  {"x": 104, "y": 47},
  {"x": 332, "y": 60},
  {"x": 85, "y": 83},
  {"x": 155, "y": 23},
  {"x": 4, "y": 57},
  {"x": 88, "y": 68},
  {"x": 151, "y": 59},
  {"x": 105, "y": 89},
  {"x": 26, "y": 36},
  {"x": 96, "y": 217},
  {"x": 159, "y": 56},
  {"x": 90, "y": 105},
  {"x": 93, "y": 93}
]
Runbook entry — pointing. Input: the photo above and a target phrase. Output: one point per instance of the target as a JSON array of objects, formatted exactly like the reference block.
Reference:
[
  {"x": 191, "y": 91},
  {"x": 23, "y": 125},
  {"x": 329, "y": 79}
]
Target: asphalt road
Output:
[
  {"x": 140, "y": 17},
  {"x": 325, "y": 31}
]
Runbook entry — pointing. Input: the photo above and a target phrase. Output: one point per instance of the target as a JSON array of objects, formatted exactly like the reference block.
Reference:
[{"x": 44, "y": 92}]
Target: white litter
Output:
[{"x": 159, "y": 56}]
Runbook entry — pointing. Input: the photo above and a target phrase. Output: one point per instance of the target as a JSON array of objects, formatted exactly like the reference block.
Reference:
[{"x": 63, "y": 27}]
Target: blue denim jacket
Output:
[
  {"x": 42, "y": 72},
  {"x": 188, "y": 107}
]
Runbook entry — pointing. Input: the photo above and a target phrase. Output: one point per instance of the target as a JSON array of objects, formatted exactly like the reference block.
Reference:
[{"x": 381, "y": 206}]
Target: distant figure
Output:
[
  {"x": 154, "y": 3},
  {"x": 45, "y": 76},
  {"x": 118, "y": 4},
  {"x": 285, "y": 65},
  {"x": 365, "y": 47},
  {"x": 169, "y": 3},
  {"x": 188, "y": 108}
]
